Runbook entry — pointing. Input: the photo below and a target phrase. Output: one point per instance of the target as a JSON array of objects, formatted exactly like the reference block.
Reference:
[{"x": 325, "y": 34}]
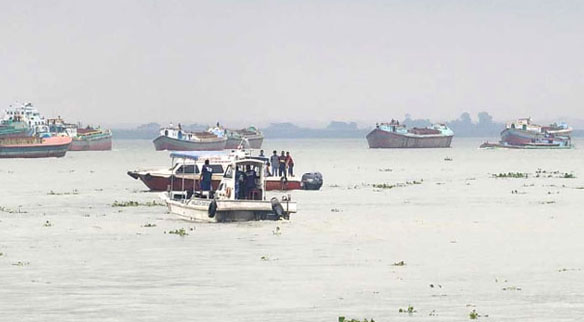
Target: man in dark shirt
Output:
[
  {"x": 206, "y": 175},
  {"x": 282, "y": 163},
  {"x": 250, "y": 180},
  {"x": 275, "y": 160}
]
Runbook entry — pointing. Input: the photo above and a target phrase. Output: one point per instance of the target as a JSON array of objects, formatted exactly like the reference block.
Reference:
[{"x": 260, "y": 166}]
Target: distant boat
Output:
[
  {"x": 84, "y": 139},
  {"x": 34, "y": 147},
  {"x": 177, "y": 139},
  {"x": 396, "y": 135},
  {"x": 524, "y": 134},
  {"x": 24, "y": 120},
  {"x": 250, "y": 137}
]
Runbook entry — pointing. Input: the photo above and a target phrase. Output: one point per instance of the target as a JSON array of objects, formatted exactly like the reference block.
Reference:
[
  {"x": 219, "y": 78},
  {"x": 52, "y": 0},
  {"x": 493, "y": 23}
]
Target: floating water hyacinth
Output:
[
  {"x": 343, "y": 319},
  {"x": 181, "y": 232},
  {"x": 409, "y": 310},
  {"x": 133, "y": 203},
  {"x": 12, "y": 211}
]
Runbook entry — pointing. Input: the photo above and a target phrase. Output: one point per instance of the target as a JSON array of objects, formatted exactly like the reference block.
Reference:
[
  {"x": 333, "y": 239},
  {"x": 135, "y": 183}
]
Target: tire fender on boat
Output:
[
  {"x": 228, "y": 192},
  {"x": 277, "y": 207},
  {"x": 212, "y": 208}
]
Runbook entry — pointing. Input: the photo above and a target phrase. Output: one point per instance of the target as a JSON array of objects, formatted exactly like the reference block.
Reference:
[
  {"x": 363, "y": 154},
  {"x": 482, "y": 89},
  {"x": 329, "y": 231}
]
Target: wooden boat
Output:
[
  {"x": 90, "y": 139},
  {"x": 177, "y": 139},
  {"x": 395, "y": 135},
  {"x": 84, "y": 138},
  {"x": 523, "y": 134},
  {"x": 234, "y": 200},
  {"x": 250, "y": 137},
  {"x": 34, "y": 147}
]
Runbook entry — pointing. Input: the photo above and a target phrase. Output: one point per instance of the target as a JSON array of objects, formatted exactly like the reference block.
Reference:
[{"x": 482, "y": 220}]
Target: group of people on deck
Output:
[
  {"x": 245, "y": 178},
  {"x": 246, "y": 186},
  {"x": 282, "y": 165}
]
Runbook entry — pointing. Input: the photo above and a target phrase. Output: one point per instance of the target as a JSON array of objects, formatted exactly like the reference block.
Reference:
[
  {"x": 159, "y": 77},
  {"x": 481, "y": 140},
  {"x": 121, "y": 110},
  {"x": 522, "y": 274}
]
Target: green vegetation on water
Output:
[
  {"x": 517, "y": 175},
  {"x": 473, "y": 315},
  {"x": 396, "y": 185},
  {"x": 409, "y": 310},
  {"x": 181, "y": 232},
  {"x": 343, "y": 319},
  {"x": 53, "y": 193},
  {"x": 133, "y": 203},
  {"x": 539, "y": 173},
  {"x": 12, "y": 211}
]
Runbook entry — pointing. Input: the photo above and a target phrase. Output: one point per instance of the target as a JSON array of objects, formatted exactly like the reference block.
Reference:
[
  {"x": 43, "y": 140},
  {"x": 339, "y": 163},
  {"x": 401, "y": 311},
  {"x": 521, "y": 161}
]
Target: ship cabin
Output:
[
  {"x": 59, "y": 127},
  {"x": 243, "y": 177},
  {"x": 179, "y": 133},
  {"x": 525, "y": 125},
  {"x": 393, "y": 126}
]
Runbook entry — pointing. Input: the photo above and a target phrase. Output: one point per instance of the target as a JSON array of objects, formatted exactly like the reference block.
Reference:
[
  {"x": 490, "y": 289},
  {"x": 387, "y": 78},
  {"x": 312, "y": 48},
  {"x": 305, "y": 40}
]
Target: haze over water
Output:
[{"x": 512, "y": 256}]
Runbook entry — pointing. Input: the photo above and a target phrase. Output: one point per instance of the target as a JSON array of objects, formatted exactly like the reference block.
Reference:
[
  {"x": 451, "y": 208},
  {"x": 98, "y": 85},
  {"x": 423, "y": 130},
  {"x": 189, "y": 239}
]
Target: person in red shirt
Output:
[{"x": 290, "y": 164}]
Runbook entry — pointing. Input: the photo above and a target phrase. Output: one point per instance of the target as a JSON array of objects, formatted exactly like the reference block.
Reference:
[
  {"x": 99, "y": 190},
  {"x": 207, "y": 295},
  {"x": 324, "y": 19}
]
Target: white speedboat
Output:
[{"x": 241, "y": 195}]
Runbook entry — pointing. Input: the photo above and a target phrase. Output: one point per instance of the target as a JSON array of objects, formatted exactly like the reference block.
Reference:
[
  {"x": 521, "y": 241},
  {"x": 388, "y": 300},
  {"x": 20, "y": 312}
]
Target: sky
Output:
[{"x": 256, "y": 62}]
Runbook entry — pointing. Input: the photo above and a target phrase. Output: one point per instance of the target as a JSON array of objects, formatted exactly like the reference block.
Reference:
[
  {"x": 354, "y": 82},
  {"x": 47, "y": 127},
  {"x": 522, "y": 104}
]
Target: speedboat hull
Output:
[
  {"x": 162, "y": 181},
  {"x": 198, "y": 209}
]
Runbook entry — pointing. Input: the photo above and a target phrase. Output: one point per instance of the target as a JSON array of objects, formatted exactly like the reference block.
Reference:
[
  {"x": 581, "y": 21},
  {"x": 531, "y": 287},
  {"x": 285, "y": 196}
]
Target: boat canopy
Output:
[{"x": 196, "y": 155}]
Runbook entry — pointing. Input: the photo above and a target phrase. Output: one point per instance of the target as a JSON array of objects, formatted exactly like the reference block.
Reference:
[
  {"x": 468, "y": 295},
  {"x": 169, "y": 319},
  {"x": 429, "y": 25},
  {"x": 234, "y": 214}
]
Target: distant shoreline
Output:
[{"x": 462, "y": 127}]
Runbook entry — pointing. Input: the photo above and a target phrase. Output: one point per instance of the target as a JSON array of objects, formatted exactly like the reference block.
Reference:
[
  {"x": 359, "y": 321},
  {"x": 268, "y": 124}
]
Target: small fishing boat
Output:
[
  {"x": 396, "y": 135},
  {"x": 524, "y": 134},
  {"x": 34, "y": 147},
  {"x": 177, "y": 139},
  {"x": 241, "y": 196}
]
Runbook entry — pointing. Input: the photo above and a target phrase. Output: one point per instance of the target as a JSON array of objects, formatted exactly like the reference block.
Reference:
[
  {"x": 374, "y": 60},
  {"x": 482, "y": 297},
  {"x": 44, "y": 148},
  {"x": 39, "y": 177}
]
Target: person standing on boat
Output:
[
  {"x": 290, "y": 164},
  {"x": 206, "y": 175},
  {"x": 262, "y": 154},
  {"x": 275, "y": 160},
  {"x": 282, "y": 163},
  {"x": 239, "y": 184},
  {"x": 250, "y": 182}
]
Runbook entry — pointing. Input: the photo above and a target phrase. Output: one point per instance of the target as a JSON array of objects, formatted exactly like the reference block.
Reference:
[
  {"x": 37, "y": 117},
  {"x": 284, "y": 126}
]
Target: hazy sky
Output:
[{"x": 119, "y": 62}]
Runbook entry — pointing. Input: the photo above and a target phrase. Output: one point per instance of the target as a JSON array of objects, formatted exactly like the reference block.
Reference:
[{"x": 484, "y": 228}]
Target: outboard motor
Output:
[{"x": 312, "y": 181}]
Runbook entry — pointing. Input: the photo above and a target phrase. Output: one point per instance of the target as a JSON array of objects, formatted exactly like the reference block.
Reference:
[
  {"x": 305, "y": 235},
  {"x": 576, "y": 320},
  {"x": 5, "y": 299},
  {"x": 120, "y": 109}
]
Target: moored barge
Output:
[{"x": 394, "y": 135}]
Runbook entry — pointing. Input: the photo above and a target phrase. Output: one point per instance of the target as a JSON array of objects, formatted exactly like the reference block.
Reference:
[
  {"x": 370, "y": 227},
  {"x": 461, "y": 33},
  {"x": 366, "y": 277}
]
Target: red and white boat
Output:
[{"x": 184, "y": 175}]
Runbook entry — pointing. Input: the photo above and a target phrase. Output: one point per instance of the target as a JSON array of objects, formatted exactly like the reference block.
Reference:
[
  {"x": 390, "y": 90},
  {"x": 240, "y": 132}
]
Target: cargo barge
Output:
[{"x": 394, "y": 135}]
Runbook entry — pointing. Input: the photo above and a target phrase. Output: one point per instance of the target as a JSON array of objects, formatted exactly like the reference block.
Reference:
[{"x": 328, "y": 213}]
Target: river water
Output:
[{"x": 467, "y": 240}]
